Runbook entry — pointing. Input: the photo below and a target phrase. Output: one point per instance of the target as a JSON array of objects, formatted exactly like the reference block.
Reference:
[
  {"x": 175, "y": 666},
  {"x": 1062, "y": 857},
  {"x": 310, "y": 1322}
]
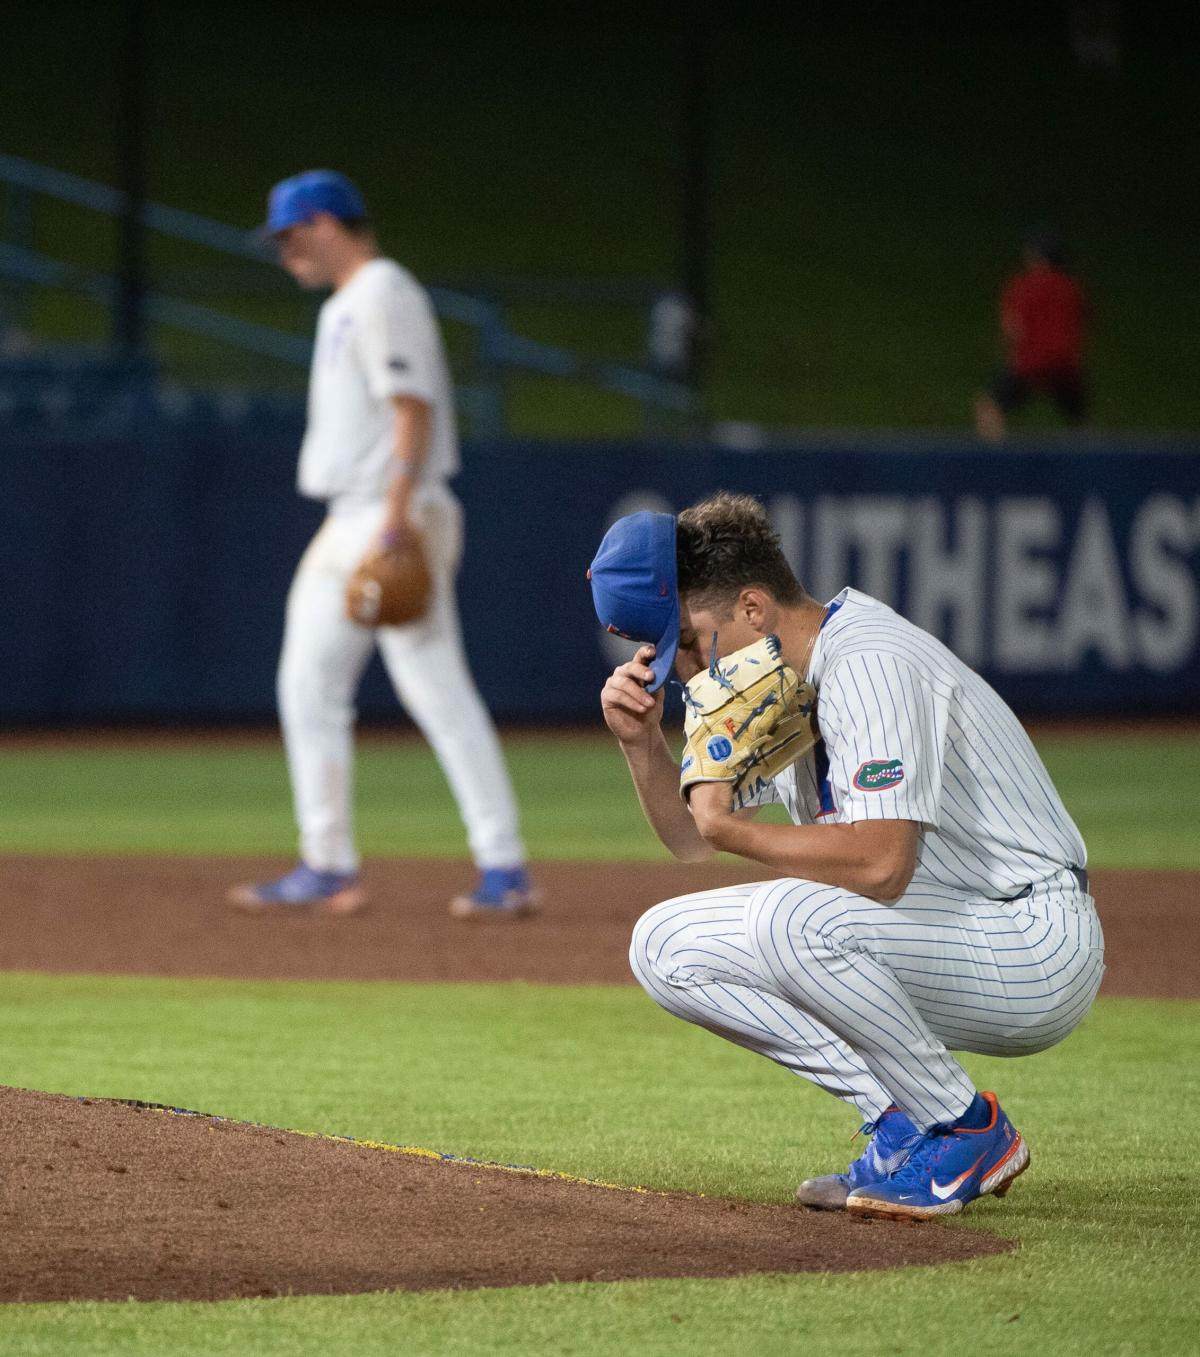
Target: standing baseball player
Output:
[
  {"x": 930, "y": 892},
  {"x": 379, "y": 449}
]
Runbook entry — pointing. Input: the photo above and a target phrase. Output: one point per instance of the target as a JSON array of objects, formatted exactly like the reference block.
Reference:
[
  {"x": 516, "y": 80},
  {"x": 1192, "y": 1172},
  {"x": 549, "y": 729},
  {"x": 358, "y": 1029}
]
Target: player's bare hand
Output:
[
  {"x": 630, "y": 712},
  {"x": 711, "y": 804}
]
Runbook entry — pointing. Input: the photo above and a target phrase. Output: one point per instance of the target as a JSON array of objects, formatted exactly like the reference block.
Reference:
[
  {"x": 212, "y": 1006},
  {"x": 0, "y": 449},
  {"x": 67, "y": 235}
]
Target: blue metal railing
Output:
[
  {"x": 496, "y": 350},
  {"x": 265, "y": 340}
]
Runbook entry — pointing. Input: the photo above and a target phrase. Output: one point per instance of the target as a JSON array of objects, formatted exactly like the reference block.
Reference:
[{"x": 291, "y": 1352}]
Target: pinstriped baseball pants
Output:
[{"x": 865, "y": 999}]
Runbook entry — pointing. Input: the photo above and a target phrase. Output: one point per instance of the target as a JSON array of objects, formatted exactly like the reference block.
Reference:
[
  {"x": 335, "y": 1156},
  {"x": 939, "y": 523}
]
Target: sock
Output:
[{"x": 977, "y": 1116}]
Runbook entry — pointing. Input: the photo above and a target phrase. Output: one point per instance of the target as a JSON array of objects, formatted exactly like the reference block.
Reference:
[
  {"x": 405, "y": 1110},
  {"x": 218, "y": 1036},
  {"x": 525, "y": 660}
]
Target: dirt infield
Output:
[
  {"x": 166, "y": 917},
  {"x": 101, "y": 1201}
]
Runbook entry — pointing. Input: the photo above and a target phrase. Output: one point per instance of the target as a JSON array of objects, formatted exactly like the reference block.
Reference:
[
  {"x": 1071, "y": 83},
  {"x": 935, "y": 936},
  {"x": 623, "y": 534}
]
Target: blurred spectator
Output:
[
  {"x": 1043, "y": 317},
  {"x": 671, "y": 337},
  {"x": 14, "y": 342}
]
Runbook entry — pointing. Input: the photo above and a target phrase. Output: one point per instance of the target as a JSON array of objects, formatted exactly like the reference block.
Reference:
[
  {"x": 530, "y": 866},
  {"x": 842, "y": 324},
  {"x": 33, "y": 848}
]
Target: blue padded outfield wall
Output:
[{"x": 145, "y": 576}]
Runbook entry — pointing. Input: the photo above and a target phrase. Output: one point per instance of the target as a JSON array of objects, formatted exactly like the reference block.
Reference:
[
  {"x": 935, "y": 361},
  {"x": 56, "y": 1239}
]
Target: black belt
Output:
[{"x": 1081, "y": 880}]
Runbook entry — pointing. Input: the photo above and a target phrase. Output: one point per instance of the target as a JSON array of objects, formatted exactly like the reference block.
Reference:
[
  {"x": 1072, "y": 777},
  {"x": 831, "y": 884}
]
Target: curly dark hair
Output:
[{"x": 725, "y": 543}]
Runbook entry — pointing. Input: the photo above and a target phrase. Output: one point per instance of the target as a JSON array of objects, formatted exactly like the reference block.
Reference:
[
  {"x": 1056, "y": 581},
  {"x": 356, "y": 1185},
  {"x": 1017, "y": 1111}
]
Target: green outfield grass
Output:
[
  {"x": 1130, "y": 795},
  {"x": 1107, "y": 1217},
  {"x": 598, "y": 1082}
]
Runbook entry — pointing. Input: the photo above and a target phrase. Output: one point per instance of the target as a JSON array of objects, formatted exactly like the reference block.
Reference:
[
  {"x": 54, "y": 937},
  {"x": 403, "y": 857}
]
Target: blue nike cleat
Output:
[
  {"x": 501, "y": 893},
  {"x": 892, "y": 1138},
  {"x": 303, "y": 886},
  {"x": 949, "y": 1167}
]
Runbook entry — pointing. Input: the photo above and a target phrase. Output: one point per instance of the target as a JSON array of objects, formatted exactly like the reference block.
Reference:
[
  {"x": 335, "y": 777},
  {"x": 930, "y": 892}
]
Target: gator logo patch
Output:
[
  {"x": 877, "y": 775},
  {"x": 719, "y": 748}
]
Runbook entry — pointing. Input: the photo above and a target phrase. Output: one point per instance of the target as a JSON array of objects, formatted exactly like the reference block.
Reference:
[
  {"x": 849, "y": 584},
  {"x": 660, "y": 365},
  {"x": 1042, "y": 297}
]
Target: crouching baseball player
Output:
[{"x": 930, "y": 892}]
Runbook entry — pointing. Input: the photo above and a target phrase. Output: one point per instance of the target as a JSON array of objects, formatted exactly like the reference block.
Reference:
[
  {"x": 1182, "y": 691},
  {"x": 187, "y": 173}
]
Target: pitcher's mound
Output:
[{"x": 105, "y": 1201}]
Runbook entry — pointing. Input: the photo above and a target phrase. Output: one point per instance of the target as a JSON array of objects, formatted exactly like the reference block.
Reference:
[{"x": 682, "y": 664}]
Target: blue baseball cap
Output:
[
  {"x": 295, "y": 201},
  {"x": 635, "y": 586}
]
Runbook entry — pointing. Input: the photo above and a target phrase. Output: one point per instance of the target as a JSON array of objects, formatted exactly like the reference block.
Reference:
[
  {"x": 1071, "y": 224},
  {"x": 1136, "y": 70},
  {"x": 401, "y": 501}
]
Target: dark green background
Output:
[{"x": 874, "y": 169}]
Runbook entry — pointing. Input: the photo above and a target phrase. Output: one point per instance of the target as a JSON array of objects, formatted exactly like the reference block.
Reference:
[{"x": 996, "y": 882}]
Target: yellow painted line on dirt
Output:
[
  {"x": 414, "y": 1151},
  {"x": 420, "y": 1152}
]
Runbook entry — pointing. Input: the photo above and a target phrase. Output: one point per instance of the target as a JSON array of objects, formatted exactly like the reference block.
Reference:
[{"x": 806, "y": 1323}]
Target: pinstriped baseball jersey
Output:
[{"x": 910, "y": 732}]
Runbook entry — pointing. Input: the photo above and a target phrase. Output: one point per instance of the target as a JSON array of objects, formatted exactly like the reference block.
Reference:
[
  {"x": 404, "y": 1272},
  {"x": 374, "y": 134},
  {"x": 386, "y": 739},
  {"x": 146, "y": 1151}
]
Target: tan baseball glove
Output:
[
  {"x": 748, "y": 717},
  {"x": 390, "y": 587}
]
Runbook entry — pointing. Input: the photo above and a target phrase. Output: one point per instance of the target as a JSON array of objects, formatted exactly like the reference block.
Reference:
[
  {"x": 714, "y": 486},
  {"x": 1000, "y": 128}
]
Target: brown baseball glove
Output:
[{"x": 390, "y": 587}]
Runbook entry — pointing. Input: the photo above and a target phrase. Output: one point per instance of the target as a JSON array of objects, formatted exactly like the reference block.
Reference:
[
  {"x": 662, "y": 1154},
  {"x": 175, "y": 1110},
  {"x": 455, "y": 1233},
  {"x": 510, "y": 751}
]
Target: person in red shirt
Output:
[{"x": 1043, "y": 317}]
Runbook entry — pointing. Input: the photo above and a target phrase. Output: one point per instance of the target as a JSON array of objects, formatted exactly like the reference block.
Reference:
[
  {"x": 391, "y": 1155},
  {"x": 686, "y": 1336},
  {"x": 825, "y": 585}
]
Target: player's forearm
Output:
[
  {"x": 656, "y": 779},
  {"x": 410, "y": 446},
  {"x": 850, "y": 856}
]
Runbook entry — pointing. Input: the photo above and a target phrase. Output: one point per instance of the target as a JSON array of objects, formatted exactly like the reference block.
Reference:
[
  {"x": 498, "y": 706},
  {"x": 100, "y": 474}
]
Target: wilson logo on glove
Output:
[{"x": 748, "y": 717}]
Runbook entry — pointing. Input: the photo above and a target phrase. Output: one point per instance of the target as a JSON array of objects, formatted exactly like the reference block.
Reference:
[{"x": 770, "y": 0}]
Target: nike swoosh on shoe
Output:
[
  {"x": 941, "y": 1193},
  {"x": 893, "y": 1161}
]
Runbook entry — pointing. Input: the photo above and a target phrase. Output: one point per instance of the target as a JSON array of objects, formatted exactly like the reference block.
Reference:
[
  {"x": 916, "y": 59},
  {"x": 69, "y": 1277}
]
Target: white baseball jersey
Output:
[
  {"x": 911, "y": 733},
  {"x": 377, "y": 337},
  {"x": 994, "y": 946}
]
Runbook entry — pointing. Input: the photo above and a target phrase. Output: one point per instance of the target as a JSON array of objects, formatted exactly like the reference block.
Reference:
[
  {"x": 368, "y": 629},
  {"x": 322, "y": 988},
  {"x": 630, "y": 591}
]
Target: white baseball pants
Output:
[
  {"x": 323, "y": 660},
  {"x": 863, "y": 999}
]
